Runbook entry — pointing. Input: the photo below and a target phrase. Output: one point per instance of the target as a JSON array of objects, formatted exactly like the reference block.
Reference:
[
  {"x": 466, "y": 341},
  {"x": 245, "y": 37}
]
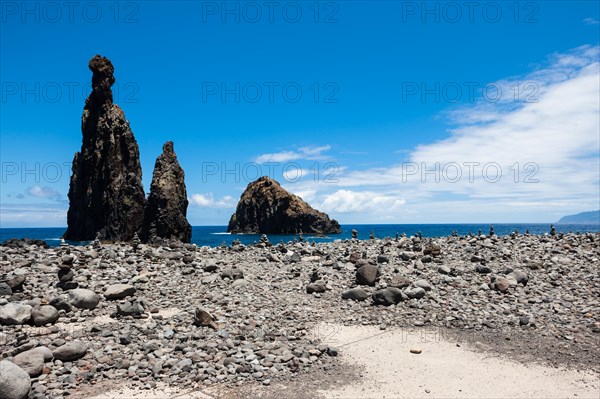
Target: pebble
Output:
[{"x": 255, "y": 320}]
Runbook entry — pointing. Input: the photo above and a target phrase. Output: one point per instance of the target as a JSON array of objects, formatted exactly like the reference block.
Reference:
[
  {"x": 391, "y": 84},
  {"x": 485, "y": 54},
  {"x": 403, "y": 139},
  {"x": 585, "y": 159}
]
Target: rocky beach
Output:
[{"x": 78, "y": 321}]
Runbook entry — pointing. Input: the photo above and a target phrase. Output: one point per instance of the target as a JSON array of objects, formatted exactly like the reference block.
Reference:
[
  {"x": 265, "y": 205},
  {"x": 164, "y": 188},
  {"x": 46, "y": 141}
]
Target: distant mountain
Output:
[{"x": 592, "y": 217}]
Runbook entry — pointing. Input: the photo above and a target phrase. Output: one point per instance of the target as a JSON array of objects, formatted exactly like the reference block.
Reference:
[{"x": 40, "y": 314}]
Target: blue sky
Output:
[{"x": 348, "y": 102}]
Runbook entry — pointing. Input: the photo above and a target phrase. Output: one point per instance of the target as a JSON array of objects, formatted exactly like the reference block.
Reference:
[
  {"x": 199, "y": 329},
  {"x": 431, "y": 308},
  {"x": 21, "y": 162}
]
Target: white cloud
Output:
[
  {"x": 32, "y": 215},
  {"x": 309, "y": 152},
  {"x": 43, "y": 192},
  {"x": 347, "y": 201},
  {"x": 208, "y": 201},
  {"x": 307, "y": 195},
  {"x": 591, "y": 21},
  {"x": 559, "y": 135}
]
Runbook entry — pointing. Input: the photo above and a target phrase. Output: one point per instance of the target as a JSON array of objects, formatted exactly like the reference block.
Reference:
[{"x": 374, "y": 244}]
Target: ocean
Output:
[{"x": 216, "y": 235}]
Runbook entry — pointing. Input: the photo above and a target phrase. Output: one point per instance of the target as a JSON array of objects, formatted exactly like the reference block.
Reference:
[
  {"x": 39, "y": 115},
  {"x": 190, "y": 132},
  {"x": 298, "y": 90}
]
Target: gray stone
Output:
[
  {"x": 399, "y": 281},
  {"x": 415, "y": 293},
  {"x": 356, "y": 294},
  {"x": 423, "y": 284},
  {"x": 119, "y": 291},
  {"x": 444, "y": 269},
  {"x": 482, "y": 269},
  {"x": 316, "y": 287},
  {"x": 5, "y": 290},
  {"x": 388, "y": 296},
  {"x": 45, "y": 314},
  {"x": 130, "y": 308},
  {"x": 521, "y": 277},
  {"x": 232, "y": 274},
  {"x": 501, "y": 284},
  {"x": 83, "y": 299},
  {"x": 383, "y": 259},
  {"x": 43, "y": 351},
  {"x": 71, "y": 351},
  {"x": 61, "y": 304},
  {"x": 31, "y": 362},
  {"x": 65, "y": 275},
  {"x": 16, "y": 282},
  {"x": 15, "y": 313},
  {"x": 367, "y": 275},
  {"x": 68, "y": 260},
  {"x": 14, "y": 381}
]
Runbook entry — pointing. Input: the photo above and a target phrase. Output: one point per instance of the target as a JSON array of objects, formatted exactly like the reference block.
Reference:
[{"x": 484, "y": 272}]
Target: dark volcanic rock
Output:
[
  {"x": 106, "y": 197},
  {"x": 23, "y": 242},
  {"x": 387, "y": 296},
  {"x": 165, "y": 215},
  {"x": 367, "y": 275},
  {"x": 265, "y": 207}
]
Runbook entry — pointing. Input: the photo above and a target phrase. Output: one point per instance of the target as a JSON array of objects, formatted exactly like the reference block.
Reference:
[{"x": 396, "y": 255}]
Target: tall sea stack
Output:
[
  {"x": 106, "y": 196},
  {"x": 266, "y": 207},
  {"x": 165, "y": 216}
]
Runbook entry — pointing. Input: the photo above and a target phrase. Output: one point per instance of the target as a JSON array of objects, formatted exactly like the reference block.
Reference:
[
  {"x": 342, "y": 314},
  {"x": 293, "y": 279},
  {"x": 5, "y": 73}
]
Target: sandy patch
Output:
[{"x": 444, "y": 369}]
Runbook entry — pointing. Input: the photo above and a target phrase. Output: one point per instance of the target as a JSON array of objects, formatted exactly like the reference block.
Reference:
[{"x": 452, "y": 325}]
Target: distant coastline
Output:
[{"x": 592, "y": 217}]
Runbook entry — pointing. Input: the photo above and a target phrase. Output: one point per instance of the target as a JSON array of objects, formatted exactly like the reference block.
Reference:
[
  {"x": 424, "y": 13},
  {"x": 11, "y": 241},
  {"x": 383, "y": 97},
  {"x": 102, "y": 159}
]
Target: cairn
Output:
[
  {"x": 135, "y": 243},
  {"x": 66, "y": 273}
]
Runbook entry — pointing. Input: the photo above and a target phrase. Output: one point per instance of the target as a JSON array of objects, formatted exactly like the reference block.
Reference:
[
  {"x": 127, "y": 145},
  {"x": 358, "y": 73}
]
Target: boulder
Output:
[
  {"x": 61, "y": 304},
  {"x": 400, "y": 281},
  {"x": 16, "y": 282},
  {"x": 71, "y": 351},
  {"x": 44, "y": 314},
  {"x": 15, "y": 313},
  {"x": 483, "y": 269},
  {"x": 233, "y": 274},
  {"x": 501, "y": 284},
  {"x": 388, "y": 296},
  {"x": 267, "y": 208},
  {"x": 43, "y": 351},
  {"x": 83, "y": 298},
  {"x": 128, "y": 308},
  {"x": 415, "y": 293},
  {"x": 521, "y": 277},
  {"x": 119, "y": 291},
  {"x": 383, "y": 259},
  {"x": 65, "y": 275},
  {"x": 5, "y": 289},
  {"x": 367, "y": 275},
  {"x": 204, "y": 319},
  {"x": 444, "y": 270},
  {"x": 355, "y": 294},
  {"x": 15, "y": 383},
  {"x": 316, "y": 287},
  {"x": 31, "y": 362},
  {"x": 423, "y": 284}
]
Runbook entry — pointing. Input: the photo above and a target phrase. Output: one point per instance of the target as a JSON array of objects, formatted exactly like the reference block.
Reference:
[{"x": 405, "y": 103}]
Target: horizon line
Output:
[{"x": 369, "y": 224}]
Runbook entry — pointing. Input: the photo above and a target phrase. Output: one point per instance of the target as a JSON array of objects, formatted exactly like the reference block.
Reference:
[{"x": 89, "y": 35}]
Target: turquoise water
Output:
[{"x": 215, "y": 235}]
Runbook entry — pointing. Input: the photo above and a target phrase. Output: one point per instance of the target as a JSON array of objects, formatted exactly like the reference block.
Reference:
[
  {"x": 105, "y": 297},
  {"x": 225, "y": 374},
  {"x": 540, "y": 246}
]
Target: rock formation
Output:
[
  {"x": 165, "y": 215},
  {"x": 106, "y": 196},
  {"x": 265, "y": 207}
]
